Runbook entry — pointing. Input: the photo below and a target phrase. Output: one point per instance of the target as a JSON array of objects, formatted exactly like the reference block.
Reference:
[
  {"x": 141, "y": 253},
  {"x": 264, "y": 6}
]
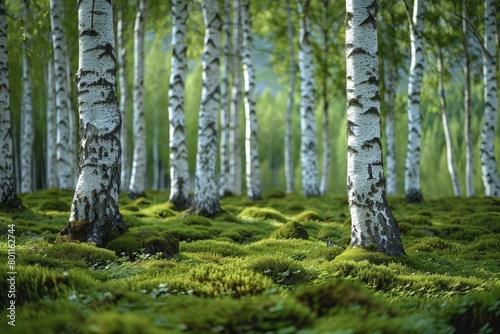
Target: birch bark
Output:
[
  {"x": 390, "y": 81},
  {"x": 51, "y": 128}
]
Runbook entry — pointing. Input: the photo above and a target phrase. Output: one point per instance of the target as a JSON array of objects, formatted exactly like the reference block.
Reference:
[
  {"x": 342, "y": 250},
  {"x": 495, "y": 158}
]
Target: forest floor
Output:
[{"x": 259, "y": 267}]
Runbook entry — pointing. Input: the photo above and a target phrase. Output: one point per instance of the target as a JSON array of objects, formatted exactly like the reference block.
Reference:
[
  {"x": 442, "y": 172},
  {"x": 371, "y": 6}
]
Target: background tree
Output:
[
  {"x": 372, "y": 219},
  {"x": 51, "y": 165},
  {"x": 94, "y": 212},
  {"x": 290, "y": 184}
]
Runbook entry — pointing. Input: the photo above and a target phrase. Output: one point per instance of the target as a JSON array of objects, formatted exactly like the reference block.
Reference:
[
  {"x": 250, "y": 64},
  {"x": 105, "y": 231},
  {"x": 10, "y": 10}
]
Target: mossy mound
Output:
[
  {"x": 310, "y": 214},
  {"x": 54, "y": 205},
  {"x": 162, "y": 210},
  {"x": 274, "y": 193},
  {"x": 430, "y": 244},
  {"x": 255, "y": 213},
  {"x": 233, "y": 235},
  {"x": 146, "y": 241},
  {"x": 330, "y": 232},
  {"x": 360, "y": 254},
  {"x": 74, "y": 251},
  {"x": 281, "y": 269},
  {"x": 223, "y": 248},
  {"x": 291, "y": 230},
  {"x": 488, "y": 220},
  {"x": 196, "y": 220},
  {"x": 417, "y": 219},
  {"x": 191, "y": 233}
]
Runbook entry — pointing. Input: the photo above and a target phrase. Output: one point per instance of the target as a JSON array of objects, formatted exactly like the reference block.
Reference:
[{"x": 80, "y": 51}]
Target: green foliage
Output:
[
  {"x": 254, "y": 213},
  {"x": 145, "y": 241},
  {"x": 291, "y": 230}
]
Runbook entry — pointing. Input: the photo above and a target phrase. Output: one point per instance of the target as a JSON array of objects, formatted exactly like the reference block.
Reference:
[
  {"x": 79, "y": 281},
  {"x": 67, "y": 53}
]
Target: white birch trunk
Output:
[
  {"x": 372, "y": 221},
  {"x": 27, "y": 128},
  {"x": 489, "y": 170},
  {"x": 390, "y": 81},
  {"x": 179, "y": 167},
  {"x": 224, "y": 182},
  {"x": 137, "y": 184},
  {"x": 206, "y": 200},
  {"x": 252, "y": 168},
  {"x": 234, "y": 121},
  {"x": 51, "y": 168},
  {"x": 122, "y": 81},
  {"x": 289, "y": 179},
  {"x": 309, "y": 141},
  {"x": 450, "y": 156},
  {"x": 412, "y": 168},
  {"x": 8, "y": 195},
  {"x": 72, "y": 120},
  {"x": 94, "y": 212},
  {"x": 63, "y": 127}
]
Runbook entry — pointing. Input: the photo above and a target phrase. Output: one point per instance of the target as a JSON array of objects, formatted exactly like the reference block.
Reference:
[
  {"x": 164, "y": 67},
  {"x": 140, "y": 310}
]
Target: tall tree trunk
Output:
[
  {"x": 122, "y": 80},
  {"x": 206, "y": 199},
  {"x": 450, "y": 156},
  {"x": 63, "y": 127},
  {"x": 179, "y": 167},
  {"x": 412, "y": 167},
  {"x": 390, "y": 83},
  {"x": 234, "y": 120},
  {"x": 289, "y": 172},
  {"x": 252, "y": 167},
  {"x": 373, "y": 223},
  {"x": 94, "y": 212},
  {"x": 487, "y": 149},
  {"x": 469, "y": 142},
  {"x": 224, "y": 182},
  {"x": 309, "y": 141},
  {"x": 51, "y": 169},
  {"x": 137, "y": 184},
  {"x": 27, "y": 127},
  {"x": 8, "y": 196},
  {"x": 156, "y": 159},
  {"x": 72, "y": 121}
]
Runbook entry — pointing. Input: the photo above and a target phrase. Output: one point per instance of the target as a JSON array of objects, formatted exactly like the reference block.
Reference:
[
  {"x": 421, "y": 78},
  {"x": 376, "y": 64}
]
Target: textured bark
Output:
[
  {"x": 179, "y": 167},
  {"x": 206, "y": 199},
  {"x": 390, "y": 81},
  {"x": 289, "y": 179},
  {"x": 489, "y": 170},
  {"x": 252, "y": 167},
  {"x": 94, "y": 212},
  {"x": 224, "y": 182},
  {"x": 450, "y": 156},
  {"x": 51, "y": 167},
  {"x": 309, "y": 141},
  {"x": 27, "y": 126},
  {"x": 234, "y": 121},
  {"x": 137, "y": 184},
  {"x": 373, "y": 224},
  {"x": 8, "y": 195},
  {"x": 73, "y": 126},
  {"x": 122, "y": 80},
  {"x": 412, "y": 167},
  {"x": 63, "y": 127}
]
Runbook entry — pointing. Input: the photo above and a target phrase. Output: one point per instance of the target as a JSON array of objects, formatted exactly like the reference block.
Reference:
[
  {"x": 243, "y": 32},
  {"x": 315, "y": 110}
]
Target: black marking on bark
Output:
[
  {"x": 370, "y": 173},
  {"x": 350, "y": 126},
  {"x": 372, "y": 111},
  {"x": 354, "y": 102},
  {"x": 357, "y": 51}
]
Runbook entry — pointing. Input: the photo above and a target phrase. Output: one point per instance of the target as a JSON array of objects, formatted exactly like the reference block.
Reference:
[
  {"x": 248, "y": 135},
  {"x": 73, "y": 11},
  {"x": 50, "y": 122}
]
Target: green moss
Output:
[
  {"x": 233, "y": 235},
  {"x": 430, "y": 244},
  {"x": 488, "y": 220},
  {"x": 190, "y": 233},
  {"x": 196, "y": 220},
  {"x": 330, "y": 232},
  {"x": 255, "y": 213},
  {"x": 274, "y": 193},
  {"x": 310, "y": 214},
  {"x": 145, "y": 240},
  {"x": 163, "y": 210},
  {"x": 73, "y": 251},
  {"x": 417, "y": 219},
  {"x": 54, "y": 205},
  {"x": 281, "y": 269},
  {"x": 130, "y": 207},
  {"x": 360, "y": 254},
  {"x": 291, "y": 230},
  {"x": 220, "y": 247}
]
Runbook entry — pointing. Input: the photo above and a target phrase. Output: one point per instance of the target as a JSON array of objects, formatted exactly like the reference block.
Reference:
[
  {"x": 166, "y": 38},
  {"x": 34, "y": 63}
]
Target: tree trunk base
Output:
[{"x": 414, "y": 196}]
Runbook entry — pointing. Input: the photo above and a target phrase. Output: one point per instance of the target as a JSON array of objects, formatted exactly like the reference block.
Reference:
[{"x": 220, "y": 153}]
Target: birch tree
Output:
[
  {"x": 94, "y": 212},
  {"x": 489, "y": 170},
  {"x": 206, "y": 200},
  {"x": 137, "y": 184},
  {"x": 27, "y": 127},
  {"x": 179, "y": 167},
  {"x": 252, "y": 167},
  {"x": 390, "y": 84},
  {"x": 8, "y": 196},
  {"x": 373, "y": 224},
  {"x": 63, "y": 127},
  {"x": 289, "y": 179},
  {"x": 51, "y": 151},
  {"x": 309, "y": 145},
  {"x": 412, "y": 166}
]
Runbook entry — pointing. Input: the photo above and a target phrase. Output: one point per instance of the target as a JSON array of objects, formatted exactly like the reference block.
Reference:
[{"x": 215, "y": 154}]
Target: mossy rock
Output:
[
  {"x": 281, "y": 269},
  {"x": 223, "y": 248},
  {"x": 255, "y": 213},
  {"x": 145, "y": 240},
  {"x": 291, "y": 230},
  {"x": 308, "y": 215},
  {"x": 55, "y": 205},
  {"x": 75, "y": 251},
  {"x": 196, "y": 220}
]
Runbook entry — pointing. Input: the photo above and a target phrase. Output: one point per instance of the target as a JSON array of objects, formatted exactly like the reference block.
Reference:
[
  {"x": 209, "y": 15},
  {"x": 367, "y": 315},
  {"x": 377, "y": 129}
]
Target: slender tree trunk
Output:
[
  {"x": 450, "y": 156},
  {"x": 252, "y": 166},
  {"x": 224, "y": 188},
  {"x": 122, "y": 80},
  {"x": 373, "y": 223},
  {"x": 234, "y": 121},
  {"x": 63, "y": 127},
  {"x": 27, "y": 127},
  {"x": 469, "y": 142},
  {"x": 156, "y": 159},
  {"x": 309, "y": 145},
  {"x": 72, "y": 121},
  {"x": 412, "y": 167},
  {"x": 8, "y": 196},
  {"x": 51, "y": 171},
  {"x": 94, "y": 212},
  {"x": 487, "y": 149},
  {"x": 137, "y": 184},
  {"x": 179, "y": 167},
  {"x": 390, "y": 80},
  {"x": 206, "y": 199},
  {"x": 289, "y": 179}
]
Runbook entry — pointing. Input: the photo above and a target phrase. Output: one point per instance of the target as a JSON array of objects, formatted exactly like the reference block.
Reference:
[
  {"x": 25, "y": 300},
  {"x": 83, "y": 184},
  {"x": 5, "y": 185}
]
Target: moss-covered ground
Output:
[{"x": 259, "y": 267}]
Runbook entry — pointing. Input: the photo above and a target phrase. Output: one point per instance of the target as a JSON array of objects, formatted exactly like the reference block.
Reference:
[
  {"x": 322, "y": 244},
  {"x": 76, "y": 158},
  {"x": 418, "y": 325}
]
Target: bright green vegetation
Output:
[{"x": 259, "y": 267}]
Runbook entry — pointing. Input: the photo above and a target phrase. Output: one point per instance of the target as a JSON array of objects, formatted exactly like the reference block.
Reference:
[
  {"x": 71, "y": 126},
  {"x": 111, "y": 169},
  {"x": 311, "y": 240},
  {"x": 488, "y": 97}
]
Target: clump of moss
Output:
[
  {"x": 488, "y": 220},
  {"x": 196, "y": 220},
  {"x": 360, "y": 254},
  {"x": 430, "y": 244},
  {"x": 291, "y": 230},
  {"x": 329, "y": 232},
  {"x": 74, "y": 251},
  {"x": 310, "y": 214},
  {"x": 162, "y": 210},
  {"x": 274, "y": 193},
  {"x": 54, "y": 205},
  {"x": 145, "y": 240},
  {"x": 261, "y": 214},
  {"x": 130, "y": 207},
  {"x": 417, "y": 219},
  {"x": 281, "y": 269},
  {"x": 191, "y": 233},
  {"x": 233, "y": 235},
  {"x": 223, "y": 248}
]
